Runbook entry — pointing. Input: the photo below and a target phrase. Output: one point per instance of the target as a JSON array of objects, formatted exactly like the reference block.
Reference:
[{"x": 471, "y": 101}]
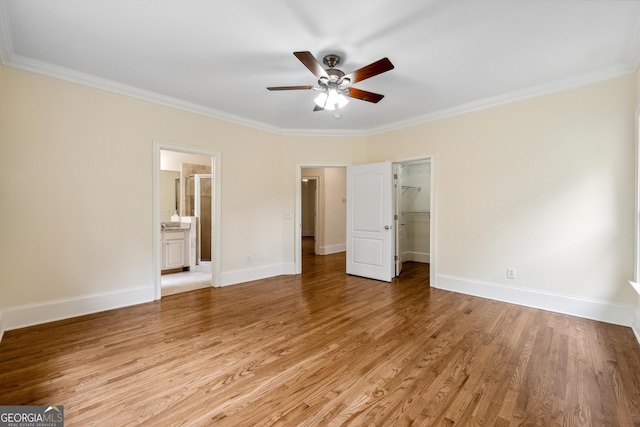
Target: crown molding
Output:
[
  {"x": 47, "y": 69},
  {"x": 6, "y": 41},
  {"x": 532, "y": 92},
  {"x": 630, "y": 64},
  {"x": 632, "y": 57},
  {"x": 39, "y": 67},
  {"x": 66, "y": 74}
]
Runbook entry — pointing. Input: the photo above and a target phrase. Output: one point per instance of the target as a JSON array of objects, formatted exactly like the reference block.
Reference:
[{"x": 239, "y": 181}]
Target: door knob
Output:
[{"x": 386, "y": 227}]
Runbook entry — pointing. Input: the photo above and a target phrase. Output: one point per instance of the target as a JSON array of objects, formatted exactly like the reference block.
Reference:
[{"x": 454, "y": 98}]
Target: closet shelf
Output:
[
  {"x": 417, "y": 212},
  {"x": 406, "y": 188}
]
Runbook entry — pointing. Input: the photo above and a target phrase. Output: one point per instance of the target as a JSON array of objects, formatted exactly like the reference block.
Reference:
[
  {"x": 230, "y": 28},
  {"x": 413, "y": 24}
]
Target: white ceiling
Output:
[{"x": 218, "y": 57}]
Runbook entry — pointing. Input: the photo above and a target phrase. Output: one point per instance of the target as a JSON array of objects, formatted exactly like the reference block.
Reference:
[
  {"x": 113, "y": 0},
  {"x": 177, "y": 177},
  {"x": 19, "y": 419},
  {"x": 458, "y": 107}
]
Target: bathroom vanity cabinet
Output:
[{"x": 175, "y": 249}]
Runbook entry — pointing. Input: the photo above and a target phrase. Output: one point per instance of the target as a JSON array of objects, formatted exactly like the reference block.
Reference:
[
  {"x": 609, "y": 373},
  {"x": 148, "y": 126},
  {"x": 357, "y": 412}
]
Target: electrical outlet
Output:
[{"x": 511, "y": 273}]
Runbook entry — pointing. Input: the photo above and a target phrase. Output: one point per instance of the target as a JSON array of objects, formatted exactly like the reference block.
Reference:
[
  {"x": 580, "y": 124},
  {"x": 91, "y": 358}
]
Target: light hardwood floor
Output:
[{"x": 325, "y": 348}]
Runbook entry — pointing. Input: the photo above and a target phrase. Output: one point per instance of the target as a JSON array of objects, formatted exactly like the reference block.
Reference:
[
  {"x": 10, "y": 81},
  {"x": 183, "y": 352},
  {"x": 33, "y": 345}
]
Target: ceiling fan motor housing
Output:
[{"x": 331, "y": 60}]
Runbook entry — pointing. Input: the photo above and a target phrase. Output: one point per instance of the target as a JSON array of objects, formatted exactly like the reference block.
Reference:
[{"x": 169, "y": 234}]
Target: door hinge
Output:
[
  {"x": 395, "y": 217},
  {"x": 395, "y": 176},
  {"x": 395, "y": 257}
]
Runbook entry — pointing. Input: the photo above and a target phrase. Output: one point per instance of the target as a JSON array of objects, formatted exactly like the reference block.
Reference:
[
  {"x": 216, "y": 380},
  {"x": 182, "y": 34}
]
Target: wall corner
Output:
[{"x": 635, "y": 324}]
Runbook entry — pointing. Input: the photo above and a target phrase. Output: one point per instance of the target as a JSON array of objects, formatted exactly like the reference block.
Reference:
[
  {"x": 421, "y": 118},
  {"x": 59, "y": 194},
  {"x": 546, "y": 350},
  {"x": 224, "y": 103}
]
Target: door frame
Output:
[
  {"x": 216, "y": 228},
  {"x": 298, "y": 206},
  {"x": 433, "y": 211},
  {"x": 433, "y": 249},
  {"x": 397, "y": 217}
]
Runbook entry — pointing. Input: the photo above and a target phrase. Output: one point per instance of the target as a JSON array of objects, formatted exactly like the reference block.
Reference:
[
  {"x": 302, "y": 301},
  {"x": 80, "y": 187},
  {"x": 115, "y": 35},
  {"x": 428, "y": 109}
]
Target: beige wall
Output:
[
  {"x": 76, "y": 187},
  {"x": 172, "y": 160},
  {"x": 543, "y": 185},
  {"x": 335, "y": 207}
]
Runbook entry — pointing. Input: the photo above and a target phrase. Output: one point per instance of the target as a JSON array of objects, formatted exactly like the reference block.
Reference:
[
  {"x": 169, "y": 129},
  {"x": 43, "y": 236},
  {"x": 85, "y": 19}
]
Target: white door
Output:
[{"x": 370, "y": 235}]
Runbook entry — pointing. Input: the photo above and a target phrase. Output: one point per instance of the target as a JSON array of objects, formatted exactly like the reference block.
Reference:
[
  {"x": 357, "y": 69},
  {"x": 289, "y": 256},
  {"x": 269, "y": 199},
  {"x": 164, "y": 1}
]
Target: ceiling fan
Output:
[{"x": 334, "y": 85}]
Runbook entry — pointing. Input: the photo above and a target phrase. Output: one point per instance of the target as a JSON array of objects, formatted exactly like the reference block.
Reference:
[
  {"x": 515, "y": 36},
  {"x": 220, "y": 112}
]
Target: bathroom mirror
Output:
[{"x": 169, "y": 194}]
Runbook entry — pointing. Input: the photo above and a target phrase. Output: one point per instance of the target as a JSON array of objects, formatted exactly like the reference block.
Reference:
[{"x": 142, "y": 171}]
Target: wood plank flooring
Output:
[{"x": 324, "y": 348}]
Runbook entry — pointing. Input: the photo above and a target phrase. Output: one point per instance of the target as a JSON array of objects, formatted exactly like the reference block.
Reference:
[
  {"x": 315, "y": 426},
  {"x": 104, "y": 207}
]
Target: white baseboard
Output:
[
  {"x": 574, "y": 306},
  {"x": 636, "y": 315},
  {"x": 422, "y": 257},
  {"x": 332, "y": 249},
  {"x": 50, "y": 311},
  {"x": 262, "y": 272},
  {"x": 636, "y": 325}
]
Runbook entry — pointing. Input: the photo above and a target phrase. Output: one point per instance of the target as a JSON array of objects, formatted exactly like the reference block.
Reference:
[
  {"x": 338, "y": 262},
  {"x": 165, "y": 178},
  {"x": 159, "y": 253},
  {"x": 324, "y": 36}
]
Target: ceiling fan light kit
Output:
[
  {"x": 334, "y": 85},
  {"x": 331, "y": 100}
]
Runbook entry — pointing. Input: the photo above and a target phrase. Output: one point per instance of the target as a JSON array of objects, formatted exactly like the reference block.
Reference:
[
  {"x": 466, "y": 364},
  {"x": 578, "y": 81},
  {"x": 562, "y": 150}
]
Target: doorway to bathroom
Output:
[{"x": 186, "y": 218}]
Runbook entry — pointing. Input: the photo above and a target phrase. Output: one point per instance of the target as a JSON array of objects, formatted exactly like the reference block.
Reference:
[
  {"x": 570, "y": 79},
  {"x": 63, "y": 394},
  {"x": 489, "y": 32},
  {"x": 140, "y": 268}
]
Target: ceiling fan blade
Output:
[
  {"x": 373, "y": 69},
  {"x": 290, "y": 87},
  {"x": 311, "y": 63},
  {"x": 364, "y": 95}
]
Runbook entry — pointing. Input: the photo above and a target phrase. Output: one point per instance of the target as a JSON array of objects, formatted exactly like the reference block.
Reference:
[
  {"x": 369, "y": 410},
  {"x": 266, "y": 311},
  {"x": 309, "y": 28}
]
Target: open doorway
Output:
[
  {"x": 412, "y": 212},
  {"x": 309, "y": 214},
  {"x": 376, "y": 211},
  {"x": 186, "y": 218},
  {"x": 330, "y": 209}
]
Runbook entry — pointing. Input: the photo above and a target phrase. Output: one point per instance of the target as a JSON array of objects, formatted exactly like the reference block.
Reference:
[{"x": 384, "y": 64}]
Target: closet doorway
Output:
[{"x": 412, "y": 212}]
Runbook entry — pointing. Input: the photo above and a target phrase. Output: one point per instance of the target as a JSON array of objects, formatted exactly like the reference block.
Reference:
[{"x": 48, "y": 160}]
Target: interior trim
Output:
[
  {"x": 532, "y": 92},
  {"x": 27, "y": 64},
  {"x": 233, "y": 277},
  {"x": 602, "y": 311},
  {"x": 65, "y": 308}
]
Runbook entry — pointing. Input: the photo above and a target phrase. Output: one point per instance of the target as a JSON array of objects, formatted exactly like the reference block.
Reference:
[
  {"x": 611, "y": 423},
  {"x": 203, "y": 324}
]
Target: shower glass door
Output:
[{"x": 198, "y": 204}]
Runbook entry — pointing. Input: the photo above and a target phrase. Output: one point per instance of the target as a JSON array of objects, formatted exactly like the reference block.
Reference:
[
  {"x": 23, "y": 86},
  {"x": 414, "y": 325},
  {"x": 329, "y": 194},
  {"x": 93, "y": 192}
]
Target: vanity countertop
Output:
[{"x": 166, "y": 226}]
